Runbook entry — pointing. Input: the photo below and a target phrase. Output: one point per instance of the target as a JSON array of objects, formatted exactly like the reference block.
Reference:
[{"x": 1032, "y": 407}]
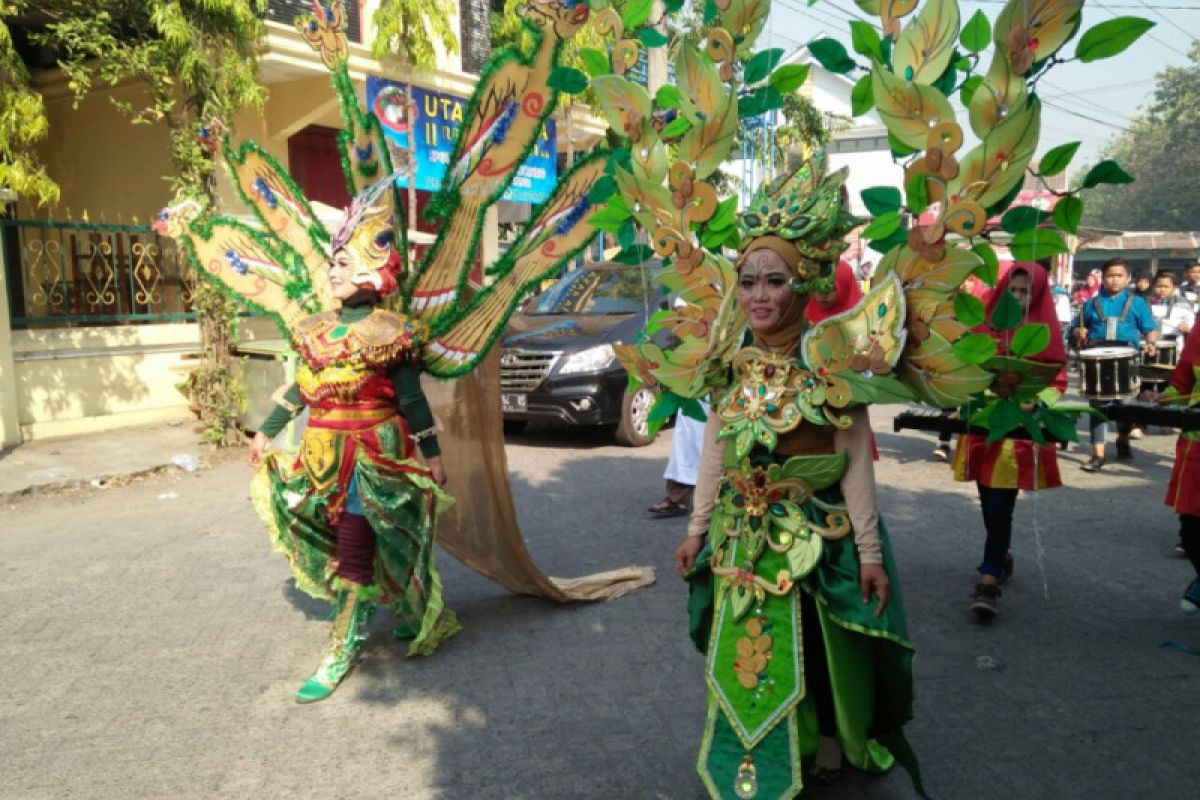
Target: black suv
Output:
[{"x": 557, "y": 361}]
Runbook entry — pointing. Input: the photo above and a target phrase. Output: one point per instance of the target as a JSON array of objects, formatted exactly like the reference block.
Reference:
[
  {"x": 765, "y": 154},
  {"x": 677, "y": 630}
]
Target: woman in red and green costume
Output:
[
  {"x": 1183, "y": 491},
  {"x": 355, "y": 512}
]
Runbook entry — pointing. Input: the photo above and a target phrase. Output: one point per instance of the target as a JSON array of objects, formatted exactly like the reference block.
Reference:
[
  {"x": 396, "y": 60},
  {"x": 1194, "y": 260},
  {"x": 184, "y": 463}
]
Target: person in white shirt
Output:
[
  {"x": 1190, "y": 288},
  {"x": 1170, "y": 308}
]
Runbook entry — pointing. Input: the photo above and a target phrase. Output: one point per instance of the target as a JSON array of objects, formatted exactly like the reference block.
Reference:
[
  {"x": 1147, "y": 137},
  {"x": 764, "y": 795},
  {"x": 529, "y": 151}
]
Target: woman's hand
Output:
[
  {"x": 685, "y": 554},
  {"x": 439, "y": 471},
  {"x": 872, "y": 579},
  {"x": 258, "y": 448}
]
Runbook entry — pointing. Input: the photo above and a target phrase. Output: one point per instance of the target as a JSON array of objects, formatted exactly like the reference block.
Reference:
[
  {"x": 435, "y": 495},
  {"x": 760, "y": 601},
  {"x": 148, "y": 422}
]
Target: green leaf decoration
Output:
[
  {"x": 595, "y": 61},
  {"x": 989, "y": 270},
  {"x": 637, "y": 254},
  {"x": 880, "y": 200},
  {"x": 1005, "y": 416},
  {"x": 906, "y": 108},
  {"x": 926, "y": 44},
  {"x": 974, "y": 348},
  {"x": 976, "y": 35},
  {"x": 667, "y": 96},
  {"x": 677, "y": 127},
  {"x": 725, "y": 215},
  {"x": 666, "y": 405},
  {"x": 882, "y": 226},
  {"x": 832, "y": 55},
  {"x": 969, "y": 310},
  {"x": 636, "y": 13},
  {"x": 917, "y": 192},
  {"x": 1034, "y": 244},
  {"x": 865, "y": 39},
  {"x": 673, "y": 6},
  {"x": 968, "y": 89},
  {"x": 1068, "y": 211},
  {"x": 803, "y": 555},
  {"x": 627, "y": 234},
  {"x": 604, "y": 188},
  {"x": 1107, "y": 171},
  {"x": 652, "y": 37},
  {"x": 568, "y": 80},
  {"x": 761, "y": 64},
  {"x": 1057, "y": 159},
  {"x": 899, "y": 148},
  {"x": 690, "y": 407},
  {"x": 1019, "y": 218},
  {"x": 1060, "y": 426},
  {"x": 609, "y": 219},
  {"x": 1008, "y": 313},
  {"x": 861, "y": 99},
  {"x": 1110, "y": 38},
  {"x": 898, "y": 237},
  {"x": 789, "y": 77},
  {"x": 1030, "y": 339}
]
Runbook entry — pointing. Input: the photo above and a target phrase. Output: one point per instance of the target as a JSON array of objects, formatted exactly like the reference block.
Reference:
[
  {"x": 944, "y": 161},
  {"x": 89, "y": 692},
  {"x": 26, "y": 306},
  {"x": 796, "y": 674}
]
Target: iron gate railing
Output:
[{"x": 73, "y": 273}]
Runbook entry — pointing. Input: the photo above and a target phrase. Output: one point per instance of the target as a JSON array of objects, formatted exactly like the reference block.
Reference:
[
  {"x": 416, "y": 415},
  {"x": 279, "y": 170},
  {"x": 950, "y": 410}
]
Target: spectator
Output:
[
  {"x": 1190, "y": 288},
  {"x": 1143, "y": 285},
  {"x": 1090, "y": 288},
  {"x": 1171, "y": 309}
]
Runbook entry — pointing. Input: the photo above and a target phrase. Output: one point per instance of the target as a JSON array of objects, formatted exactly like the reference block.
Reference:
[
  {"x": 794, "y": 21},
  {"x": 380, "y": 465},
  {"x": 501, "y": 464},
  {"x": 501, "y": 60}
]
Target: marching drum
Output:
[
  {"x": 1156, "y": 369},
  {"x": 1108, "y": 373}
]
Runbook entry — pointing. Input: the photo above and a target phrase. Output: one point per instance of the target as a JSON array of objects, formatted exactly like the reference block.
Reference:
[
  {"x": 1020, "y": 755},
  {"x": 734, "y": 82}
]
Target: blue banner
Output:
[{"x": 437, "y": 120}]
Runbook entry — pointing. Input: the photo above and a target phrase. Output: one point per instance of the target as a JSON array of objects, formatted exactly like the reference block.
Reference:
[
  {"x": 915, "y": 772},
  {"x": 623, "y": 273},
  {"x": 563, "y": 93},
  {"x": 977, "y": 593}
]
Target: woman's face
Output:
[
  {"x": 1018, "y": 287},
  {"x": 339, "y": 276},
  {"x": 1093, "y": 279},
  {"x": 765, "y": 291}
]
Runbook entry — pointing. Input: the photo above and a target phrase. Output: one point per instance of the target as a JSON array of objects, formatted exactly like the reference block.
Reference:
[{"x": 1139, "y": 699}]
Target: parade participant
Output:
[
  {"x": 1170, "y": 308},
  {"x": 1115, "y": 316},
  {"x": 1143, "y": 284},
  {"x": 1002, "y": 468},
  {"x": 1090, "y": 287},
  {"x": 366, "y": 508},
  {"x": 1183, "y": 490},
  {"x": 801, "y": 499}
]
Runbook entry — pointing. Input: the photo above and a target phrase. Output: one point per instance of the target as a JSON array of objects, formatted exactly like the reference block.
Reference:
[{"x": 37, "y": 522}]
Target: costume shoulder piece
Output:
[{"x": 378, "y": 340}]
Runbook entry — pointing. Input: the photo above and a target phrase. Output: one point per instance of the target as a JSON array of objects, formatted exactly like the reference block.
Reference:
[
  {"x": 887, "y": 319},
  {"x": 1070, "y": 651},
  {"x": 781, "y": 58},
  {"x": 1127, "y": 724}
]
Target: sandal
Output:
[
  {"x": 822, "y": 776},
  {"x": 667, "y": 508}
]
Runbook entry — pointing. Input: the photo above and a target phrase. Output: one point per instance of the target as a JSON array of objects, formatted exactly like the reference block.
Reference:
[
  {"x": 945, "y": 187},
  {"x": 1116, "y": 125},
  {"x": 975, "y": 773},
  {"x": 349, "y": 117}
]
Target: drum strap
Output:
[{"x": 1124, "y": 310}]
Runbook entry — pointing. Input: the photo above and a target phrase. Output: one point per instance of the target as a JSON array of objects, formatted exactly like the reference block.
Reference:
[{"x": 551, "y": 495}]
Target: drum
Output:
[
  {"x": 1156, "y": 369},
  {"x": 1108, "y": 373}
]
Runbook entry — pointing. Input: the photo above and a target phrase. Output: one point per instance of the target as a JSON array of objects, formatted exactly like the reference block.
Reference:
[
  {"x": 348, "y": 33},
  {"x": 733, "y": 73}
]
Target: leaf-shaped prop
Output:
[
  {"x": 908, "y": 110},
  {"x": 649, "y": 201},
  {"x": 649, "y": 158},
  {"x": 990, "y": 171},
  {"x": 938, "y": 376},
  {"x": 703, "y": 90},
  {"x": 1001, "y": 91},
  {"x": 1043, "y": 26},
  {"x": 915, "y": 272},
  {"x": 745, "y": 20},
  {"x": 873, "y": 329},
  {"x": 1111, "y": 37},
  {"x": 625, "y": 105},
  {"x": 707, "y": 144},
  {"x": 927, "y": 42}
]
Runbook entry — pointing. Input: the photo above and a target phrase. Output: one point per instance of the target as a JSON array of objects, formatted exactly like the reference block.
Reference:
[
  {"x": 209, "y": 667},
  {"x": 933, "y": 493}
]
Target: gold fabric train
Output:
[{"x": 481, "y": 528}]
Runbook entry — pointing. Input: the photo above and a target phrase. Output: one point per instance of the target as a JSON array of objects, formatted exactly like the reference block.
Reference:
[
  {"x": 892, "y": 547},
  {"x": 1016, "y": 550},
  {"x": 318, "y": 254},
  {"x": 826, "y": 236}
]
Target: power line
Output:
[
  {"x": 1169, "y": 21},
  {"x": 1107, "y": 88},
  {"x": 1113, "y": 5},
  {"x": 1148, "y": 34},
  {"x": 1074, "y": 113},
  {"x": 1083, "y": 101}
]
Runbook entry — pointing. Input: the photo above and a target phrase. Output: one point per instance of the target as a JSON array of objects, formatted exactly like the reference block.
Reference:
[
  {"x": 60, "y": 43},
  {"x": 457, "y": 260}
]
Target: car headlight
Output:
[{"x": 593, "y": 359}]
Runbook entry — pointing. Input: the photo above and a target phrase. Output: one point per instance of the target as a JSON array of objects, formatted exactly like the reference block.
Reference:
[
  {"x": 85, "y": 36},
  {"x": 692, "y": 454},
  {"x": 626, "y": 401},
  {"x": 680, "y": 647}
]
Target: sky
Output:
[{"x": 1088, "y": 103}]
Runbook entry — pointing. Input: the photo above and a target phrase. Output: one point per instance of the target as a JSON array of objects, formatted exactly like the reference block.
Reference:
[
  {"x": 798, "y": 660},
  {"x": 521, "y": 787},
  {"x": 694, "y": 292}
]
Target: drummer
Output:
[
  {"x": 1115, "y": 316},
  {"x": 1171, "y": 309}
]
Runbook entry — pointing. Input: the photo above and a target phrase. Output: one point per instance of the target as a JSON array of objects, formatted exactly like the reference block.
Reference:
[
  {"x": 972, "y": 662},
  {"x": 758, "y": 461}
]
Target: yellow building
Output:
[{"x": 97, "y": 330}]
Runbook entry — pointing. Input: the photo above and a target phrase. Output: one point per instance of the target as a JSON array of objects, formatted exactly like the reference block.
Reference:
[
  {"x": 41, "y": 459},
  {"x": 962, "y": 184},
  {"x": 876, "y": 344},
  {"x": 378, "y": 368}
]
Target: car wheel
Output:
[
  {"x": 634, "y": 428},
  {"x": 513, "y": 426}
]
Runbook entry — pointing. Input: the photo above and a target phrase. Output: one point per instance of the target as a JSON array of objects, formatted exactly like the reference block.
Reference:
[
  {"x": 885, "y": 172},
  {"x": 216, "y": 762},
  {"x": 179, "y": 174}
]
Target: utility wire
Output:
[
  {"x": 1083, "y": 101},
  {"x": 1074, "y": 113},
  {"x": 1167, "y": 19},
  {"x": 1175, "y": 50}
]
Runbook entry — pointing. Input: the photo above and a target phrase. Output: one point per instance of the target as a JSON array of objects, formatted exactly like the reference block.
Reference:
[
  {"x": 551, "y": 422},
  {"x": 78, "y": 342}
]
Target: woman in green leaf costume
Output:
[{"x": 794, "y": 597}]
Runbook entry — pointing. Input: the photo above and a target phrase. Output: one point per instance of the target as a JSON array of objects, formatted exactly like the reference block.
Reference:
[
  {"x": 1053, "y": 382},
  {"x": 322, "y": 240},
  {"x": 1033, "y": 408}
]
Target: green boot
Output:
[{"x": 346, "y": 639}]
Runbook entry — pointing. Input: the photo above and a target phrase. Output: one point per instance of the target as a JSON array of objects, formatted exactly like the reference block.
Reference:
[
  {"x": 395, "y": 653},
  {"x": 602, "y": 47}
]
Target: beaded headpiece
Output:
[
  {"x": 366, "y": 235},
  {"x": 809, "y": 210}
]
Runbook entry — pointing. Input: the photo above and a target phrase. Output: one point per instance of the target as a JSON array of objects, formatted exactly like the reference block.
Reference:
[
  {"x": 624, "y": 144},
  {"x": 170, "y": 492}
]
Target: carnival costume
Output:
[
  {"x": 792, "y": 651},
  {"x": 355, "y": 512},
  {"x": 1183, "y": 490}
]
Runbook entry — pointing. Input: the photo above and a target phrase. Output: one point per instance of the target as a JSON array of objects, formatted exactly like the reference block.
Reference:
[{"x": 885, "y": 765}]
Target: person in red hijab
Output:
[
  {"x": 1090, "y": 288},
  {"x": 846, "y": 292},
  {"x": 1002, "y": 468},
  {"x": 1183, "y": 490}
]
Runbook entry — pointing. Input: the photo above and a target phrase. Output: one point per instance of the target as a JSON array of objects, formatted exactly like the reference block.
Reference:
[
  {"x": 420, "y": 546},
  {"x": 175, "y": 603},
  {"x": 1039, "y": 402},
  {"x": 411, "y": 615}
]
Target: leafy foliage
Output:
[
  {"x": 22, "y": 125},
  {"x": 412, "y": 27}
]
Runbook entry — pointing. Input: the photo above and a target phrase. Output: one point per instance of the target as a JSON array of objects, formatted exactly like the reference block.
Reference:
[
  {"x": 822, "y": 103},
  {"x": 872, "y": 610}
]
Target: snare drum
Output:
[
  {"x": 1156, "y": 369},
  {"x": 1108, "y": 373}
]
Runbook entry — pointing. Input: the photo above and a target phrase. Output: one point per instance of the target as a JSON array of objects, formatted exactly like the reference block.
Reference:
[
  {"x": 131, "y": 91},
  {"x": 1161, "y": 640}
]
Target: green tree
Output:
[
  {"x": 410, "y": 28},
  {"x": 22, "y": 123},
  {"x": 509, "y": 30},
  {"x": 195, "y": 60},
  {"x": 1161, "y": 149}
]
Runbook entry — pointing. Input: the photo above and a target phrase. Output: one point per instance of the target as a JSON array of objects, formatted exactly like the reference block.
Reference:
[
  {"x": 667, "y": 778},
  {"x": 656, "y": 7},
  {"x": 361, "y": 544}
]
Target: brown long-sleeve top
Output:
[{"x": 858, "y": 483}]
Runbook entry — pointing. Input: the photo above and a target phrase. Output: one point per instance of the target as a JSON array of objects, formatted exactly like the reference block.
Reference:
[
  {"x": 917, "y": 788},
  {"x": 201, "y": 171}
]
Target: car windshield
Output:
[{"x": 598, "y": 291}]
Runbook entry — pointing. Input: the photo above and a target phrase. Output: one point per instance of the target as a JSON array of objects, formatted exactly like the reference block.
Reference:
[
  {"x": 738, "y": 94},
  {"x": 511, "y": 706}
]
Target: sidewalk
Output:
[{"x": 96, "y": 458}]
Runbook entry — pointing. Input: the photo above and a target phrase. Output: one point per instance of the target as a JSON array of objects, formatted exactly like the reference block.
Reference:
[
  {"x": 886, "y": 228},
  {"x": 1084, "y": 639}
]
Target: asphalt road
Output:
[{"x": 151, "y": 642}]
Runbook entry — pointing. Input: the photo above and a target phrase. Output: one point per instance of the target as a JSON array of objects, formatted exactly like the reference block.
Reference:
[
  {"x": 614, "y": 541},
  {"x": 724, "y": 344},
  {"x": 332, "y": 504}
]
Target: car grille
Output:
[{"x": 522, "y": 370}]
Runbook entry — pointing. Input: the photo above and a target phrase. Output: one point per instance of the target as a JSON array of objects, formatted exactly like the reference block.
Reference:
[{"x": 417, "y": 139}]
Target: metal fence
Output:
[{"x": 71, "y": 273}]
